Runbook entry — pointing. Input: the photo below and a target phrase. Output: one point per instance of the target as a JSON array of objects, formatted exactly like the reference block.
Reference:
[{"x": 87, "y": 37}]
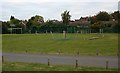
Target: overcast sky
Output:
[{"x": 52, "y": 9}]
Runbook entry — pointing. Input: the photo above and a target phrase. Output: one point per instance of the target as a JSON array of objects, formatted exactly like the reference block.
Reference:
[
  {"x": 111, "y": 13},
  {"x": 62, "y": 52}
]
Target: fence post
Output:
[
  {"x": 2, "y": 59},
  {"x": 97, "y": 52},
  {"x": 78, "y": 52},
  {"x": 64, "y": 34},
  {"x": 48, "y": 62},
  {"x": 26, "y": 51},
  {"x": 107, "y": 62},
  {"x": 76, "y": 65},
  {"x": 46, "y": 32}
]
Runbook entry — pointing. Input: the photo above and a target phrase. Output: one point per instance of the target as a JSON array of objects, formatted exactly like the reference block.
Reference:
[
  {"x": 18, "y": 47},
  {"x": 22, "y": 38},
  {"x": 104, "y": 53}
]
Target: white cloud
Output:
[
  {"x": 52, "y": 9},
  {"x": 44, "y": 1}
]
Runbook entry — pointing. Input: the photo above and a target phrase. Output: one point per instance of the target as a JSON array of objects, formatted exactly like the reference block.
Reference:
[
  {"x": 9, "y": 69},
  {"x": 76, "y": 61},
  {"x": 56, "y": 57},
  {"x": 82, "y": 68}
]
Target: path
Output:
[{"x": 93, "y": 61}]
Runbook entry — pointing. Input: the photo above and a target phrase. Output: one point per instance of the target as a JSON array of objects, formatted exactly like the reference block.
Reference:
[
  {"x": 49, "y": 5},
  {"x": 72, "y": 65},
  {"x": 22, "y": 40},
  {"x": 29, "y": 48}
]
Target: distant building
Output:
[{"x": 83, "y": 22}]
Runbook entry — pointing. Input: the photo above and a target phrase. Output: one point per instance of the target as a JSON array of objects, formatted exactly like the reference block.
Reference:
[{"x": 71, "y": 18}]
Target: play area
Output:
[{"x": 105, "y": 44}]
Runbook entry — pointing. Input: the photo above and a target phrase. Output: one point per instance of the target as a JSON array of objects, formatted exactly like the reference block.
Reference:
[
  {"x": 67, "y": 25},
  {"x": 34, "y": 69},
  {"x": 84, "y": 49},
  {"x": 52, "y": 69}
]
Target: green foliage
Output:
[
  {"x": 66, "y": 17},
  {"x": 14, "y": 20},
  {"x": 96, "y": 25},
  {"x": 21, "y": 66},
  {"x": 53, "y": 25},
  {"x": 116, "y": 15},
  {"x": 5, "y": 26},
  {"x": 36, "y": 23},
  {"x": 106, "y": 21},
  {"x": 93, "y": 19},
  {"x": 35, "y": 20},
  {"x": 12, "y": 17},
  {"x": 103, "y": 16}
]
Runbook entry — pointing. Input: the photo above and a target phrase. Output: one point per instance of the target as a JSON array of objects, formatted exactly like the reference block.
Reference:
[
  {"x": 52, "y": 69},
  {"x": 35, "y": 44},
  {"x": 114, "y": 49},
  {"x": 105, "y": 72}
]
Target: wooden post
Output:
[
  {"x": 48, "y": 62},
  {"x": 97, "y": 52},
  {"x": 64, "y": 34},
  {"x": 107, "y": 62},
  {"x": 21, "y": 31},
  {"x": 35, "y": 32},
  {"x": 46, "y": 32},
  {"x": 26, "y": 51},
  {"x": 90, "y": 31},
  {"x": 2, "y": 59},
  {"x": 78, "y": 52},
  {"x": 76, "y": 65},
  {"x": 77, "y": 31},
  {"x": 51, "y": 34}
]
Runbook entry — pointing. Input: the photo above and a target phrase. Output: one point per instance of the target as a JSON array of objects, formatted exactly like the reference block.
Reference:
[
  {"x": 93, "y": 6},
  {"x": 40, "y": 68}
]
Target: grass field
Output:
[
  {"x": 53, "y": 43},
  {"x": 20, "y": 66}
]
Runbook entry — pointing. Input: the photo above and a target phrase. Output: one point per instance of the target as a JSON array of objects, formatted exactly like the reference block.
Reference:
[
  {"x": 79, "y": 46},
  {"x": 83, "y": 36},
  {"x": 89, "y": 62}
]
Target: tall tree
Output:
[
  {"x": 12, "y": 17},
  {"x": 116, "y": 15},
  {"x": 103, "y": 16},
  {"x": 93, "y": 19},
  {"x": 14, "y": 20},
  {"x": 5, "y": 26},
  {"x": 66, "y": 17},
  {"x": 35, "y": 22}
]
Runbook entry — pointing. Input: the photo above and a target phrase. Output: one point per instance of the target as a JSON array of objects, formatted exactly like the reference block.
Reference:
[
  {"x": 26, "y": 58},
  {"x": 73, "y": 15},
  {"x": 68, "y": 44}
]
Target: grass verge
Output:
[{"x": 20, "y": 66}]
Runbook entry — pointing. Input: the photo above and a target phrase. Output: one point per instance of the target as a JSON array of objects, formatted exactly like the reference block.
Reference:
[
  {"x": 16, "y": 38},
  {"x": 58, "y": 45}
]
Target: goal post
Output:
[{"x": 16, "y": 31}]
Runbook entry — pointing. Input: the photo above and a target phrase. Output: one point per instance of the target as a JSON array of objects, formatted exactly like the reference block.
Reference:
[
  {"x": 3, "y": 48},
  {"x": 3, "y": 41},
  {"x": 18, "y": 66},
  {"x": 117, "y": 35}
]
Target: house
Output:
[{"x": 83, "y": 22}]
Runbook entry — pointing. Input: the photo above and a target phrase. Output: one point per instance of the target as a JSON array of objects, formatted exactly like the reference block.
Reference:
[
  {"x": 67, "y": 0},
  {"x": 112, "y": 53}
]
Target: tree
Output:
[
  {"x": 96, "y": 25},
  {"x": 5, "y": 26},
  {"x": 116, "y": 15},
  {"x": 66, "y": 17},
  {"x": 35, "y": 22},
  {"x": 103, "y": 16},
  {"x": 13, "y": 20},
  {"x": 93, "y": 19},
  {"x": 12, "y": 17}
]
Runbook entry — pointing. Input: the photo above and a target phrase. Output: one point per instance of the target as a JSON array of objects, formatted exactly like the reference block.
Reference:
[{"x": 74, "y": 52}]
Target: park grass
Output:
[
  {"x": 21, "y": 66},
  {"x": 52, "y": 44}
]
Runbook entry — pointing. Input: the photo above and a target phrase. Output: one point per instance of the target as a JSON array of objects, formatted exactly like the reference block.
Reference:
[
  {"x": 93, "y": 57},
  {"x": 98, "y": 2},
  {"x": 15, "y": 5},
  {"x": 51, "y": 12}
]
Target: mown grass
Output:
[
  {"x": 51, "y": 44},
  {"x": 20, "y": 66}
]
